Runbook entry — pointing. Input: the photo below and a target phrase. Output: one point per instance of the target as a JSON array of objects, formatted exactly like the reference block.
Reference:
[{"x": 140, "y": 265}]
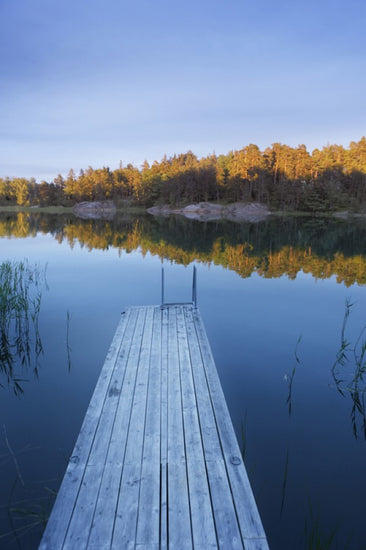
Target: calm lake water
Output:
[{"x": 272, "y": 296}]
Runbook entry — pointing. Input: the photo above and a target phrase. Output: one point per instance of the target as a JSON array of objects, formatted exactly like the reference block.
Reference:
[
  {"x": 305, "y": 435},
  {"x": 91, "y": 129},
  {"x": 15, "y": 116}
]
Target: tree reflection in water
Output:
[{"x": 323, "y": 247}]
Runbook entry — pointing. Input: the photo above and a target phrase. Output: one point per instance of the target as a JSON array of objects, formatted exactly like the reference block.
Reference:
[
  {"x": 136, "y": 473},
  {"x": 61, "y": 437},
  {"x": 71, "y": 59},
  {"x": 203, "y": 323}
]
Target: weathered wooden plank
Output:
[
  {"x": 104, "y": 516},
  {"x": 175, "y": 442},
  {"x": 226, "y": 523},
  {"x": 80, "y": 523},
  {"x": 179, "y": 522},
  {"x": 124, "y": 534},
  {"x": 179, "y": 525},
  {"x": 227, "y": 529},
  {"x": 203, "y": 527},
  {"x": 209, "y": 434},
  {"x": 82, "y": 517},
  {"x": 256, "y": 544},
  {"x": 56, "y": 529},
  {"x": 148, "y": 524},
  {"x": 246, "y": 508},
  {"x": 164, "y": 432}
]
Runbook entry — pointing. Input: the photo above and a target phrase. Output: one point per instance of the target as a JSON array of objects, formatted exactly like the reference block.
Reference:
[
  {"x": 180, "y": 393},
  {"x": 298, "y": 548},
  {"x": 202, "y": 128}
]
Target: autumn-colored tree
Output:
[
  {"x": 5, "y": 191},
  {"x": 284, "y": 177},
  {"x": 69, "y": 188},
  {"x": 20, "y": 190}
]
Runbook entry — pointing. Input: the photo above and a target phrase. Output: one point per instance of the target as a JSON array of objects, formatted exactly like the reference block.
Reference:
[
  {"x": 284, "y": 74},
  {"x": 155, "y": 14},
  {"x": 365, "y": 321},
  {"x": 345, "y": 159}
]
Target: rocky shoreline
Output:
[
  {"x": 202, "y": 211},
  {"x": 101, "y": 210},
  {"x": 207, "y": 211}
]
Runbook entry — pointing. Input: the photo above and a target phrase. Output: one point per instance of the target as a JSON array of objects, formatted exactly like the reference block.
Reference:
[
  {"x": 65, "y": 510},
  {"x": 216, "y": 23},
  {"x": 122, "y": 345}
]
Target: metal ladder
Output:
[{"x": 194, "y": 290}]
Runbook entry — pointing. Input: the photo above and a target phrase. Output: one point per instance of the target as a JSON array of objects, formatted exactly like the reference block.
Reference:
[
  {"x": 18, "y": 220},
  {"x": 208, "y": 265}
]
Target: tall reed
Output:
[
  {"x": 289, "y": 378},
  {"x": 349, "y": 371},
  {"x": 20, "y": 302}
]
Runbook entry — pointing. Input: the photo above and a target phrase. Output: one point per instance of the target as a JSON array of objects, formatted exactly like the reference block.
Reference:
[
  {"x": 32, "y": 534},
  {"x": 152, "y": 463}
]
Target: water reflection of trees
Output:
[
  {"x": 20, "y": 341},
  {"x": 275, "y": 247}
]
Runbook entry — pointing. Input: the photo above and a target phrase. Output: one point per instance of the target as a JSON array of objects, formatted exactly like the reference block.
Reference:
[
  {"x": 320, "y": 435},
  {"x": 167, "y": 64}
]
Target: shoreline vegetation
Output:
[{"x": 280, "y": 178}]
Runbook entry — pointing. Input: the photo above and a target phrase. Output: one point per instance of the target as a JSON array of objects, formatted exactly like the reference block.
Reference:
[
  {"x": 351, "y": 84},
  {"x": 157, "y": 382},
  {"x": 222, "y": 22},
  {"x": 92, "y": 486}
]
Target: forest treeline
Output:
[
  {"x": 281, "y": 176},
  {"x": 277, "y": 247}
]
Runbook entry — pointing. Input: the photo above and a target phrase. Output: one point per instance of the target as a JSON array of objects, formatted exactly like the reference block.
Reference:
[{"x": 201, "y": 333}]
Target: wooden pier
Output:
[{"x": 156, "y": 464}]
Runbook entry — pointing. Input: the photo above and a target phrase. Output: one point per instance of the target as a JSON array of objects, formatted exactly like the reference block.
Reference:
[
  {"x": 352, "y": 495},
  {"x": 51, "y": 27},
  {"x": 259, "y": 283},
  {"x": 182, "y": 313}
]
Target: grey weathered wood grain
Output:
[
  {"x": 222, "y": 503},
  {"x": 104, "y": 515},
  {"x": 55, "y": 532},
  {"x": 148, "y": 526},
  {"x": 247, "y": 512},
  {"x": 127, "y": 509},
  {"x": 164, "y": 431},
  {"x": 156, "y": 463},
  {"x": 209, "y": 434},
  {"x": 203, "y": 527},
  {"x": 81, "y": 521},
  {"x": 179, "y": 521}
]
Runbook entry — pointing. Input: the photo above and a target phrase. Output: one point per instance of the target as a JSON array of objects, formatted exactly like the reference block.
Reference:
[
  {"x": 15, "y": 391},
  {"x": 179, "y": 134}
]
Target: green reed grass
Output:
[
  {"x": 316, "y": 537},
  {"x": 27, "y": 515},
  {"x": 349, "y": 373},
  {"x": 68, "y": 348},
  {"x": 21, "y": 287},
  {"x": 290, "y": 378}
]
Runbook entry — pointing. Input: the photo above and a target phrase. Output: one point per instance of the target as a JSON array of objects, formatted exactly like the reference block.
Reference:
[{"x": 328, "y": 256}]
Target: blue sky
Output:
[{"x": 92, "y": 82}]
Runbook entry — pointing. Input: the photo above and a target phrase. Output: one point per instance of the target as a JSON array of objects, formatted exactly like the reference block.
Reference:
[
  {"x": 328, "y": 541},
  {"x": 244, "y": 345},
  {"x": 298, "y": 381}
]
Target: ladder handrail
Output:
[{"x": 194, "y": 290}]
